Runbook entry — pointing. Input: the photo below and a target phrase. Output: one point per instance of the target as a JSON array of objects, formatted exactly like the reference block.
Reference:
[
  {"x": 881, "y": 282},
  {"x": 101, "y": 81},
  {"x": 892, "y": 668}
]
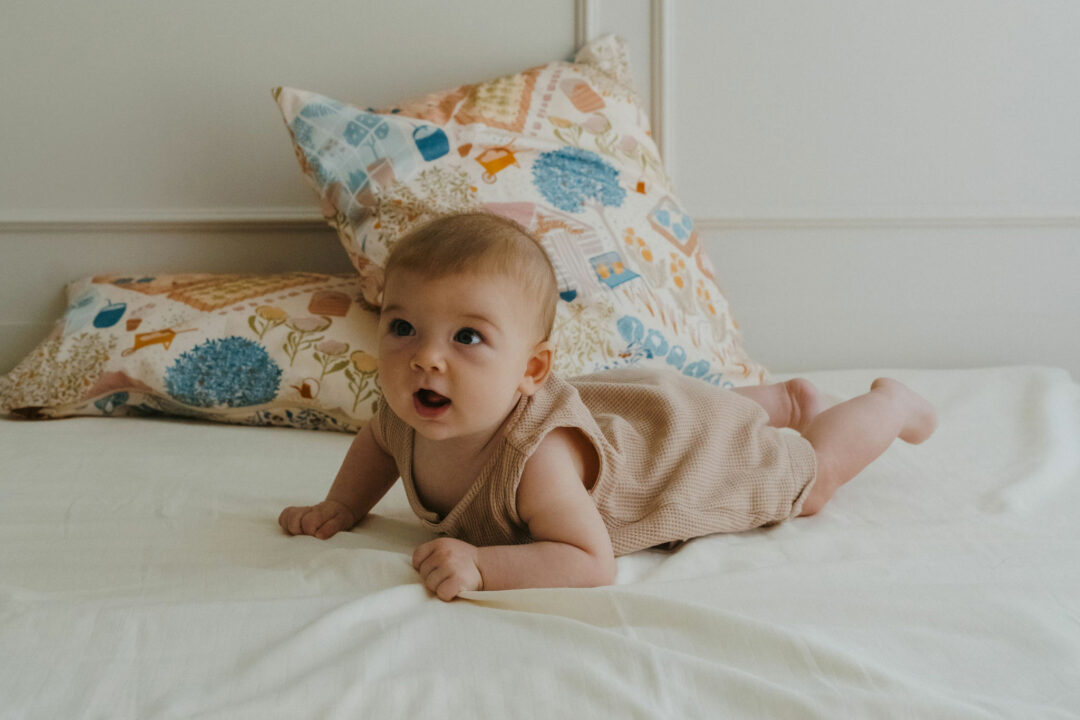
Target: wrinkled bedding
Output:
[{"x": 143, "y": 575}]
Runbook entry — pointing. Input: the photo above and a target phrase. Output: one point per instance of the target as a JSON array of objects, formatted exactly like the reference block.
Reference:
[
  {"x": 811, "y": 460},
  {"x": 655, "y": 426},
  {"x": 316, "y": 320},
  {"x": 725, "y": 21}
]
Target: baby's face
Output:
[{"x": 453, "y": 351}]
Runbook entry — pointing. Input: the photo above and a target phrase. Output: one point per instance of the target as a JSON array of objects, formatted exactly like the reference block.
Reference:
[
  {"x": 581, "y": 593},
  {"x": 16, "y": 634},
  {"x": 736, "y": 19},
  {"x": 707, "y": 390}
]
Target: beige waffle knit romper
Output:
[{"x": 679, "y": 458}]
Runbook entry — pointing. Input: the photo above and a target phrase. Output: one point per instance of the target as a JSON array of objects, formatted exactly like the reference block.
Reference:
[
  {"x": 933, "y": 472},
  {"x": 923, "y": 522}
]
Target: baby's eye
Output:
[
  {"x": 468, "y": 336},
  {"x": 400, "y": 328}
]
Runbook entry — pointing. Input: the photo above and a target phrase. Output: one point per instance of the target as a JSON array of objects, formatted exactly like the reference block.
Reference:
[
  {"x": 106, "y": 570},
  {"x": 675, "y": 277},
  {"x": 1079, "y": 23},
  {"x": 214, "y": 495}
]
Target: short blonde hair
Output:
[{"x": 481, "y": 242}]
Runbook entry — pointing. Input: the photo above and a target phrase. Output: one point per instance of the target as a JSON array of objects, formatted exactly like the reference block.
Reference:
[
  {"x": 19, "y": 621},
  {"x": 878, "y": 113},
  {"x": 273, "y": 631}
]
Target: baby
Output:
[{"x": 541, "y": 481}]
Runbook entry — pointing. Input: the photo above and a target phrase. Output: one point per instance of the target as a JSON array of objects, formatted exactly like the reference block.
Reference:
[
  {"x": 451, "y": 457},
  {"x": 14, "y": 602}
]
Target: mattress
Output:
[{"x": 143, "y": 575}]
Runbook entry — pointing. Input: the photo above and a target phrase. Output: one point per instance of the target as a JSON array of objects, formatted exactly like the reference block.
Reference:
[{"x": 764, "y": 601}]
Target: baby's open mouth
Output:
[{"x": 430, "y": 398}]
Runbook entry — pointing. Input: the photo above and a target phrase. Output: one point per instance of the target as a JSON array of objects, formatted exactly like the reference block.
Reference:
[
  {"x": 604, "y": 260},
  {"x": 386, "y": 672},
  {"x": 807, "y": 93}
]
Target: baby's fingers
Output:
[
  {"x": 421, "y": 553},
  {"x": 289, "y": 520},
  {"x": 331, "y": 526},
  {"x": 313, "y": 519}
]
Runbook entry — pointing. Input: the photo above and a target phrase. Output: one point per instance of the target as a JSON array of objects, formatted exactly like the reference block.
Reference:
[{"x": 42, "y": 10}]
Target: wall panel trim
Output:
[
  {"x": 163, "y": 220},
  {"x": 659, "y": 75},
  {"x": 718, "y": 224},
  {"x": 584, "y": 22},
  {"x": 302, "y": 219},
  {"x": 586, "y": 25}
]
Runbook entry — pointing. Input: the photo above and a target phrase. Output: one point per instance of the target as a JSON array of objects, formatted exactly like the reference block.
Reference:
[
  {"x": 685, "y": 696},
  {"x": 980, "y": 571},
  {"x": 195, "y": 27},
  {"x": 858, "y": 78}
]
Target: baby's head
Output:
[
  {"x": 468, "y": 306},
  {"x": 483, "y": 245}
]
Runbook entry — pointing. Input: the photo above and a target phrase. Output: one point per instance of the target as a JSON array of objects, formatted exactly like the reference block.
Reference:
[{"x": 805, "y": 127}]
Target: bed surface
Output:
[{"x": 143, "y": 574}]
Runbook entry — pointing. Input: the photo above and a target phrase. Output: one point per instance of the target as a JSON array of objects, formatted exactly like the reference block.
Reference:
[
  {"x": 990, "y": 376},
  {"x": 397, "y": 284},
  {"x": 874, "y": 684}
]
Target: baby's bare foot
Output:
[
  {"x": 806, "y": 403},
  {"x": 921, "y": 419}
]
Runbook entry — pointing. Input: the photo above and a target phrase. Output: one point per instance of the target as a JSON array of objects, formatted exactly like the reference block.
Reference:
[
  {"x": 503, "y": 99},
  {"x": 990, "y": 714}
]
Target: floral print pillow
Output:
[
  {"x": 565, "y": 150},
  {"x": 294, "y": 349}
]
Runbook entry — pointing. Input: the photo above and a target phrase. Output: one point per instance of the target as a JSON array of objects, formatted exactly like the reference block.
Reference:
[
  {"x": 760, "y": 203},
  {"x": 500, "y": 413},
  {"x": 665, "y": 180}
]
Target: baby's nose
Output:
[{"x": 428, "y": 357}]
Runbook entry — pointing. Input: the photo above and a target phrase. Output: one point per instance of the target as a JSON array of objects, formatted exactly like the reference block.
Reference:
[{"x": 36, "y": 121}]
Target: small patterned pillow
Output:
[
  {"x": 565, "y": 150},
  {"x": 296, "y": 349}
]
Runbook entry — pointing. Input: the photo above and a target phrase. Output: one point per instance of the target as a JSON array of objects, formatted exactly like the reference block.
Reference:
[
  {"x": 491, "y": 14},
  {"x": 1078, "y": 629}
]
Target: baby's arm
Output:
[
  {"x": 366, "y": 474},
  {"x": 570, "y": 548}
]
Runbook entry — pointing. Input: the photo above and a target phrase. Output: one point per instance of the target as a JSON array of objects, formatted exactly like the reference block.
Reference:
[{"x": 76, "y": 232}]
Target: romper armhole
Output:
[
  {"x": 378, "y": 424},
  {"x": 591, "y": 455}
]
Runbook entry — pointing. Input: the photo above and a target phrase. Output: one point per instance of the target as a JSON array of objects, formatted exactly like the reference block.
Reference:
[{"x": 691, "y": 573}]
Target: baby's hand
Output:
[
  {"x": 322, "y": 521},
  {"x": 448, "y": 566}
]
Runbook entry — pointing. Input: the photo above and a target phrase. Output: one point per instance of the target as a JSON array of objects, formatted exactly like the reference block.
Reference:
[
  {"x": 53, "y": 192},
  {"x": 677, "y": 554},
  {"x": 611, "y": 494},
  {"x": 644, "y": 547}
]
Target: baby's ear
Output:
[{"x": 538, "y": 368}]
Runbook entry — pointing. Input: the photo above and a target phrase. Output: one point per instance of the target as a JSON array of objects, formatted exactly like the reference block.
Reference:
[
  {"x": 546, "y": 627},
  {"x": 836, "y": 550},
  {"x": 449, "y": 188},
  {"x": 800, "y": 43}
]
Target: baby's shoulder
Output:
[
  {"x": 565, "y": 452},
  {"x": 556, "y": 446}
]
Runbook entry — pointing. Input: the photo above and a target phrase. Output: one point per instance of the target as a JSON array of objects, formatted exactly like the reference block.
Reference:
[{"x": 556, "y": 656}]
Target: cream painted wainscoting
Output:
[
  {"x": 901, "y": 294},
  {"x": 883, "y": 184},
  {"x": 142, "y": 136},
  {"x": 877, "y": 184}
]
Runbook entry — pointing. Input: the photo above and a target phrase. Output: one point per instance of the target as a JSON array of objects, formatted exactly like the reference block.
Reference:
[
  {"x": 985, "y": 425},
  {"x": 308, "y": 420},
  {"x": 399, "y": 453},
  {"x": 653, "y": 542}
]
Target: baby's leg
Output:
[
  {"x": 849, "y": 436},
  {"x": 792, "y": 404}
]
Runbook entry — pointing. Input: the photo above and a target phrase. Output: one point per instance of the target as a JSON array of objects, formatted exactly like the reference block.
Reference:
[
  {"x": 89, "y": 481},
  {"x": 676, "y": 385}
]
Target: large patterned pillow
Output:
[
  {"x": 295, "y": 349},
  {"x": 565, "y": 150}
]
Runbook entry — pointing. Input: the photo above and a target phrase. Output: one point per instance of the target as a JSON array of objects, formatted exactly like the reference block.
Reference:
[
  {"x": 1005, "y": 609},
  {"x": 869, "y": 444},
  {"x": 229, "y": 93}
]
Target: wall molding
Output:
[
  {"x": 662, "y": 78},
  {"x": 302, "y": 219},
  {"x": 660, "y": 75},
  {"x": 585, "y": 14},
  {"x": 586, "y": 26},
  {"x": 709, "y": 224},
  {"x": 163, "y": 220},
  {"x": 298, "y": 219}
]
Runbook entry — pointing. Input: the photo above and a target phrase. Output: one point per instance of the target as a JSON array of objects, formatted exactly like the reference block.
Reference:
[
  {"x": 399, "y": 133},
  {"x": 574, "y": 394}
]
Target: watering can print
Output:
[
  {"x": 495, "y": 160},
  {"x": 431, "y": 142},
  {"x": 157, "y": 337},
  {"x": 110, "y": 315}
]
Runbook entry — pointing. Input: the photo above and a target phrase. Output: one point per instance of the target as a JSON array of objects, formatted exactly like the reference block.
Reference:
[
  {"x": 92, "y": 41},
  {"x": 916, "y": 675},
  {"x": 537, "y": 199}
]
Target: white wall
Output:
[
  {"x": 141, "y": 135},
  {"x": 119, "y": 106},
  {"x": 885, "y": 183},
  {"x": 879, "y": 183}
]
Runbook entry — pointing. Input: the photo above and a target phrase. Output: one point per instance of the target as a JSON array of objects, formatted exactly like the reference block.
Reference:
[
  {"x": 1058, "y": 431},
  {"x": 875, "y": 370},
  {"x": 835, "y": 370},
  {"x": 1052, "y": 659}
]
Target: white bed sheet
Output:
[{"x": 143, "y": 575}]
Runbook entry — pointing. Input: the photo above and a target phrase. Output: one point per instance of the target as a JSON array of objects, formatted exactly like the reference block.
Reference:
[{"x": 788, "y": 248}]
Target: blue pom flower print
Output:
[
  {"x": 656, "y": 345},
  {"x": 231, "y": 371},
  {"x": 677, "y": 357},
  {"x": 649, "y": 344},
  {"x": 697, "y": 369},
  {"x": 569, "y": 177},
  {"x": 631, "y": 329}
]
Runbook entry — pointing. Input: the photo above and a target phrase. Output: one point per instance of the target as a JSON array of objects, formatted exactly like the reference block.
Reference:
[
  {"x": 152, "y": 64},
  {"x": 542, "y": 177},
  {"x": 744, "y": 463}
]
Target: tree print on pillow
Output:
[
  {"x": 231, "y": 371},
  {"x": 571, "y": 179}
]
